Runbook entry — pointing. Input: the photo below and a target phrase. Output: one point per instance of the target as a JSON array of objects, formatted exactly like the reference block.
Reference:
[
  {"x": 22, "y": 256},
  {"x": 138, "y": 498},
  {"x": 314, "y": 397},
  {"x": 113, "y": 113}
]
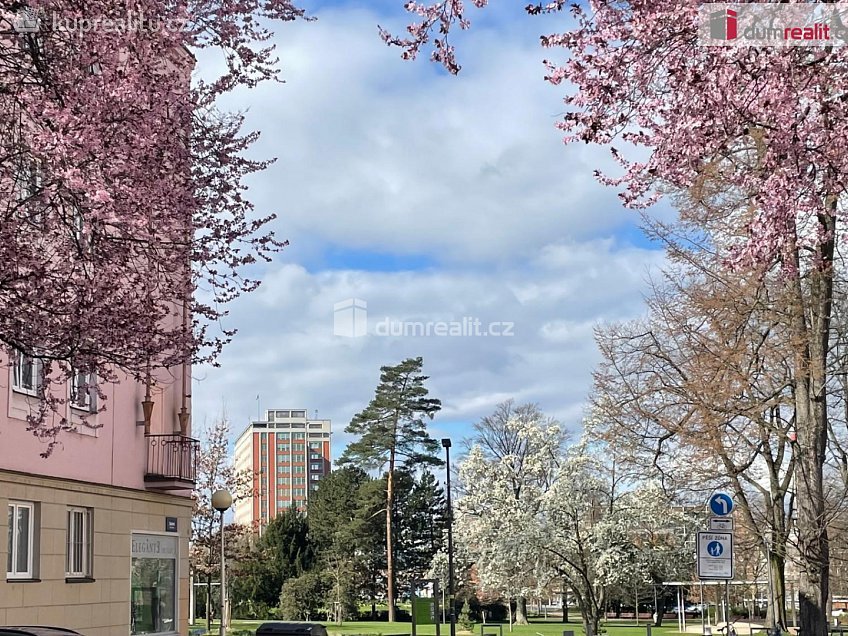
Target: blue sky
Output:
[{"x": 432, "y": 198}]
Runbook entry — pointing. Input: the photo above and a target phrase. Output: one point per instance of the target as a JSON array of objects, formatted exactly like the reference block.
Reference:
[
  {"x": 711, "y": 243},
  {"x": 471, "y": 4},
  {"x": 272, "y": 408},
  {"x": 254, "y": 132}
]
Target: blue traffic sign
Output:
[
  {"x": 721, "y": 504},
  {"x": 714, "y": 548}
]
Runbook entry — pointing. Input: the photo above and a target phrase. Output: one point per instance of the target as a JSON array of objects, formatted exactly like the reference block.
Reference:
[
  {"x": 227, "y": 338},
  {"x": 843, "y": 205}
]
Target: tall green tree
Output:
[
  {"x": 420, "y": 524},
  {"x": 345, "y": 525},
  {"x": 393, "y": 433},
  {"x": 283, "y": 552}
]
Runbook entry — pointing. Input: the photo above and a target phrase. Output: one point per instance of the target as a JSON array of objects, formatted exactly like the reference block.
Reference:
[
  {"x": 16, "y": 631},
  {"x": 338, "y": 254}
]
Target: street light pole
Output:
[
  {"x": 447, "y": 445},
  {"x": 221, "y": 501}
]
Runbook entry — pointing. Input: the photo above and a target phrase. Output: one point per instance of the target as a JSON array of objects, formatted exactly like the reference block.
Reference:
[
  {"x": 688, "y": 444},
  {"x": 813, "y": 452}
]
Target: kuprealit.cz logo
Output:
[{"x": 723, "y": 24}]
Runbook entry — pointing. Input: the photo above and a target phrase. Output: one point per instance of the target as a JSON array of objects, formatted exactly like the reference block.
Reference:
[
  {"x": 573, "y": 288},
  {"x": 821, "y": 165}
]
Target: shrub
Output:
[{"x": 465, "y": 617}]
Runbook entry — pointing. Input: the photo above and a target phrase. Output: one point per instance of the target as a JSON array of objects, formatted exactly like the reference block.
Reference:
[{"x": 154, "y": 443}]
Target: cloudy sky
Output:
[{"x": 433, "y": 199}]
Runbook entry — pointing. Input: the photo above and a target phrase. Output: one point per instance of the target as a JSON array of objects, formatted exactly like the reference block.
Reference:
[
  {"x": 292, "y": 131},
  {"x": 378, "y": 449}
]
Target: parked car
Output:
[
  {"x": 37, "y": 630},
  {"x": 290, "y": 629}
]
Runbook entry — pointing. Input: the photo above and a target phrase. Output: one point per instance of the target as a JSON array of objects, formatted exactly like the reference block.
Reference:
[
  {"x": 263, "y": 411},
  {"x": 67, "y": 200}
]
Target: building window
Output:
[
  {"x": 83, "y": 393},
  {"x": 316, "y": 466},
  {"x": 153, "y": 607},
  {"x": 282, "y": 414},
  {"x": 79, "y": 547},
  {"x": 298, "y": 413},
  {"x": 26, "y": 374},
  {"x": 20, "y": 562},
  {"x": 28, "y": 181}
]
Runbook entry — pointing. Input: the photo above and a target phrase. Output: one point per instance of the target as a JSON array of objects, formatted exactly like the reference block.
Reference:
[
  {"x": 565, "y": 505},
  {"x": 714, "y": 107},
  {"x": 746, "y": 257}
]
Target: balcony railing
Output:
[{"x": 171, "y": 462}]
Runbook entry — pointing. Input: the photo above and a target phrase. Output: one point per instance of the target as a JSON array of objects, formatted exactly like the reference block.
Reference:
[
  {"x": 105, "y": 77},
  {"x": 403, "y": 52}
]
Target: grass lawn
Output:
[{"x": 536, "y": 628}]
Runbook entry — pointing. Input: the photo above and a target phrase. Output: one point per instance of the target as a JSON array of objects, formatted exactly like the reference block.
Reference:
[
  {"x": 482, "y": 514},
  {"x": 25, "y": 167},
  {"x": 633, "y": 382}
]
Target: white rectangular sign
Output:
[
  {"x": 721, "y": 524},
  {"x": 715, "y": 555}
]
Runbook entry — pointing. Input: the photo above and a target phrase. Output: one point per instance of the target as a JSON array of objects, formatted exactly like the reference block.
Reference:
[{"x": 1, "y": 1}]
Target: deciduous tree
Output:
[
  {"x": 525, "y": 444},
  {"x": 215, "y": 471},
  {"x": 766, "y": 125},
  {"x": 125, "y": 227}
]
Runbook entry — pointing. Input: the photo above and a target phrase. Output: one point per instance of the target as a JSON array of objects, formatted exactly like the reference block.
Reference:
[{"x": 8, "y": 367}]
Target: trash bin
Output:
[{"x": 291, "y": 629}]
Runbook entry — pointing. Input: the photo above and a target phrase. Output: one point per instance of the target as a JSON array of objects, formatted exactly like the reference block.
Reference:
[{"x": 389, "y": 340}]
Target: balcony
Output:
[{"x": 171, "y": 462}]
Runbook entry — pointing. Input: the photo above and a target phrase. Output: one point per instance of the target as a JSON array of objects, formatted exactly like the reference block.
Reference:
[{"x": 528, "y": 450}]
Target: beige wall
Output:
[{"x": 102, "y": 607}]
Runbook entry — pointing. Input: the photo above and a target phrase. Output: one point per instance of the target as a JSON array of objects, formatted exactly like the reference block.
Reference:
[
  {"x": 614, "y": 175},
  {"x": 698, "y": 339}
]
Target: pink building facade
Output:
[
  {"x": 96, "y": 534},
  {"x": 94, "y": 537}
]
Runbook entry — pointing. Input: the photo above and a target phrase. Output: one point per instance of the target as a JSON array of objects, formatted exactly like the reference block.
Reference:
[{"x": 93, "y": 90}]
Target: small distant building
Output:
[{"x": 288, "y": 454}]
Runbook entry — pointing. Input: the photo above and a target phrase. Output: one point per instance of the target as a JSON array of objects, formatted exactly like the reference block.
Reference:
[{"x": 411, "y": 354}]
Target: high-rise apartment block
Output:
[{"x": 288, "y": 454}]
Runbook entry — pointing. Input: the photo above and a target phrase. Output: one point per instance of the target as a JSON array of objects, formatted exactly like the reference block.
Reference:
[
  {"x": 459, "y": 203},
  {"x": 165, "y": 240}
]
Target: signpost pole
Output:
[
  {"x": 727, "y": 603},
  {"x": 412, "y": 605}
]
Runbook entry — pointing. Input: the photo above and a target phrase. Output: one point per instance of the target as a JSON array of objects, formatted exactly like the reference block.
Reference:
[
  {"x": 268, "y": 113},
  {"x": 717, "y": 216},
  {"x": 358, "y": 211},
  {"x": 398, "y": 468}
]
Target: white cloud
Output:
[
  {"x": 287, "y": 352},
  {"x": 378, "y": 153},
  {"x": 397, "y": 158}
]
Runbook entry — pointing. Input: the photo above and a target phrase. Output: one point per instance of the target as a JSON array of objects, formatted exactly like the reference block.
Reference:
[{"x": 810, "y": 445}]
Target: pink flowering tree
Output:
[
  {"x": 763, "y": 129},
  {"x": 125, "y": 228}
]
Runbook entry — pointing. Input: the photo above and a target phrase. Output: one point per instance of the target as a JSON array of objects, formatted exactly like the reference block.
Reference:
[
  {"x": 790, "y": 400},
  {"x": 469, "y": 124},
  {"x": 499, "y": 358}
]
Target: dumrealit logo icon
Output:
[
  {"x": 723, "y": 25},
  {"x": 350, "y": 318}
]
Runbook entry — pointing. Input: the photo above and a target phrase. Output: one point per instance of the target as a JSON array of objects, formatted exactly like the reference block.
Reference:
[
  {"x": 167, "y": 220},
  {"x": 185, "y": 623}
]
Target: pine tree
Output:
[
  {"x": 420, "y": 521},
  {"x": 393, "y": 433}
]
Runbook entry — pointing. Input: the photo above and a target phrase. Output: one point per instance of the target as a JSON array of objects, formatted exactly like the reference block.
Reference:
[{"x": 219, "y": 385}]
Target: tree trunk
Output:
[
  {"x": 209, "y": 602},
  {"x": 390, "y": 566},
  {"x": 659, "y": 609},
  {"x": 565, "y": 605},
  {"x": 591, "y": 621},
  {"x": 777, "y": 606},
  {"x": 521, "y": 611},
  {"x": 810, "y": 367},
  {"x": 509, "y": 612}
]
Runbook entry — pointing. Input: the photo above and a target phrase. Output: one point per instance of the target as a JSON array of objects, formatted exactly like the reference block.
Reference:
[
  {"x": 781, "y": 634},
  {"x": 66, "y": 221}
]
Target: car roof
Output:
[{"x": 36, "y": 630}]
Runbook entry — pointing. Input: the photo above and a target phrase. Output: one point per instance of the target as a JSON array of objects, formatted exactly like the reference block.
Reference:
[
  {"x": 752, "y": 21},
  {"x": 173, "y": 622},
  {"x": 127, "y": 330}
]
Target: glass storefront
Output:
[{"x": 153, "y": 605}]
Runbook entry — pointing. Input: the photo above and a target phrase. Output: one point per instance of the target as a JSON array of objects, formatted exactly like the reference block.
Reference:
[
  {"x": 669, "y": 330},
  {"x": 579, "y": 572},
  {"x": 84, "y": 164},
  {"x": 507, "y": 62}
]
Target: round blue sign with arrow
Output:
[{"x": 721, "y": 504}]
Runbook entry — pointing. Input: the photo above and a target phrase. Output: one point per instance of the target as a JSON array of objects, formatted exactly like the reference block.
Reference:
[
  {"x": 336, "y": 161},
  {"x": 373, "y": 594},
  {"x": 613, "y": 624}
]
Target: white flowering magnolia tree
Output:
[
  {"x": 507, "y": 471},
  {"x": 565, "y": 521}
]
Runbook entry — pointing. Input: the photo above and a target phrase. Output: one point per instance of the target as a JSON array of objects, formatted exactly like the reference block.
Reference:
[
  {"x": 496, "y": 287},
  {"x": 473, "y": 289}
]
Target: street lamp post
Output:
[
  {"x": 221, "y": 501},
  {"x": 447, "y": 445}
]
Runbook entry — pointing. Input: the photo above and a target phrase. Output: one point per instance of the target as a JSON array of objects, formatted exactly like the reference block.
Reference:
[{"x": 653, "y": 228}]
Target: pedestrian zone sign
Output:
[{"x": 715, "y": 555}]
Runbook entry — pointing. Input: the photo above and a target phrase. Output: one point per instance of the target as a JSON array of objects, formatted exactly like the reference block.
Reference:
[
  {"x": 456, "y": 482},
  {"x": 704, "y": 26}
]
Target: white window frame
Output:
[
  {"x": 79, "y": 380},
  {"x": 18, "y": 372},
  {"x": 82, "y": 543},
  {"x": 29, "y": 573},
  {"x": 29, "y": 183}
]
